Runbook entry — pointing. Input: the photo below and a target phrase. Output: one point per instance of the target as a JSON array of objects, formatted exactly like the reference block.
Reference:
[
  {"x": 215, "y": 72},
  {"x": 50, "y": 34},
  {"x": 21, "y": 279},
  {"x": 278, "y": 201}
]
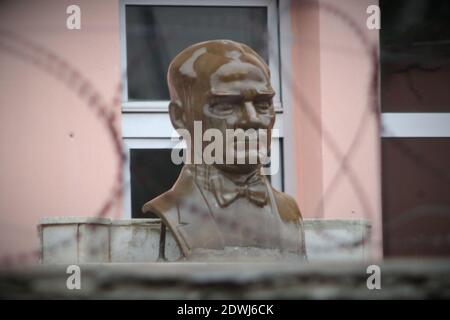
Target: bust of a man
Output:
[{"x": 226, "y": 207}]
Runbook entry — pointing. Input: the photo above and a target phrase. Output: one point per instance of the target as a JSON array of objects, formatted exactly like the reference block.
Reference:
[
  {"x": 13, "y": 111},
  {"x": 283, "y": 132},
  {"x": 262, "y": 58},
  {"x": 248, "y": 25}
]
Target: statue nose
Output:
[{"x": 249, "y": 117}]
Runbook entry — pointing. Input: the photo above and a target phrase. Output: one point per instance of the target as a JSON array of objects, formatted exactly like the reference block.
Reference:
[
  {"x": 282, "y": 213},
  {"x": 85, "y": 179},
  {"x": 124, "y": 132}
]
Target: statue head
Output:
[{"x": 225, "y": 85}]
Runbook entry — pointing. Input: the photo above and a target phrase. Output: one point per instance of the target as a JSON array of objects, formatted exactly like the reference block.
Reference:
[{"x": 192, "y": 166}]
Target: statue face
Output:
[
  {"x": 240, "y": 98},
  {"x": 231, "y": 91}
]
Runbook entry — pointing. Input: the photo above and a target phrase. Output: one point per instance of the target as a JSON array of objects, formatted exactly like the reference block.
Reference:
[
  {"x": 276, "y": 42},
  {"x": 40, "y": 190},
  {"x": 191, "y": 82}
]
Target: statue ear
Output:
[{"x": 177, "y": 115}]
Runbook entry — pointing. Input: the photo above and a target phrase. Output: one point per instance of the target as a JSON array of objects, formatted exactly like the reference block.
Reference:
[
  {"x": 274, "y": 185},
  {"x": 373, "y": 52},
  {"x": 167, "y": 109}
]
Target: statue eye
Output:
[
  {"x": 223, "y": 108},
  {"x": 262, "y": 106}
]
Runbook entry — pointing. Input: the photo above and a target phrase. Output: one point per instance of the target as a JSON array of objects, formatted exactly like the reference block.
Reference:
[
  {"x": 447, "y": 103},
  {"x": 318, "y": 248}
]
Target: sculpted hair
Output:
[{"x": 195, "y": 64}]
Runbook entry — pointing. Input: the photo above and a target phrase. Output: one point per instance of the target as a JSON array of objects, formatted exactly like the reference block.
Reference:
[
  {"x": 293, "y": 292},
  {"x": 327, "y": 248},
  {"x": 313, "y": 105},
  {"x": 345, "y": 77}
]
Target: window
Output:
[
  {"x": 415, "y": 100},
  {"x": 155, "y": 34},
  {"x": 153, "y": 173},
  {"x": 152, "y": 33}
]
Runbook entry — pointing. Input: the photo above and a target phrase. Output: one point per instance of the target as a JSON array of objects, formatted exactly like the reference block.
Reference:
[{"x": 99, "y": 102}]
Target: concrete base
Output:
[{"x": 97, "y": 240}]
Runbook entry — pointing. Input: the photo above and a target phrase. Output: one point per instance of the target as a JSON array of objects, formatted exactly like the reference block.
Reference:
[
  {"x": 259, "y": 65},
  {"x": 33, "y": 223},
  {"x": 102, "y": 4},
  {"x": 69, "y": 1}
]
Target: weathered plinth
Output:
[{"x": 85, "y": 240}]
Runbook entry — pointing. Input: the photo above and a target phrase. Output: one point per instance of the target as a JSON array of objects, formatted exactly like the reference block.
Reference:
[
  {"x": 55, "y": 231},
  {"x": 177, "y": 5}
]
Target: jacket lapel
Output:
[{"x": 196, "y": 224}]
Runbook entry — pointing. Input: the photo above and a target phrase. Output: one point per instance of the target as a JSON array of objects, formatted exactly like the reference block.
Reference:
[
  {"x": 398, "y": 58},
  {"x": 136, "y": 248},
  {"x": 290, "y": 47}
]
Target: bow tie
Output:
[{"x": 226, "y": 191}]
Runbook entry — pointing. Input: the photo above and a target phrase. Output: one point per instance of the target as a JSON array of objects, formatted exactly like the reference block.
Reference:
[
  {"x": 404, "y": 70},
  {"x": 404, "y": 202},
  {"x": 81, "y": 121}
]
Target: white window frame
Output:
[
  {"x": 415, "y": 125},
  {"x": 162, "y": 106},
  {"x": 139, "y": 143}
]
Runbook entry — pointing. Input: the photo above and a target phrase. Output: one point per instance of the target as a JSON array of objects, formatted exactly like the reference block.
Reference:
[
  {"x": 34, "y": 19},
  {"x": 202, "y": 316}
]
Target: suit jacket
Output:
[{"x": 187, "y": 213}]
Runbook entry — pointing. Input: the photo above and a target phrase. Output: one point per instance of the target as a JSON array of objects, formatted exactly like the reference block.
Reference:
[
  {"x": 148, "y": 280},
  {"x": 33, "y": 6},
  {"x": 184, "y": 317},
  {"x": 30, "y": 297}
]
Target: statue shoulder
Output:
[
  {"x": 287, "y": 206},
  {"x": 161, "y": 204},
  {"x": 168, "y": 201}
]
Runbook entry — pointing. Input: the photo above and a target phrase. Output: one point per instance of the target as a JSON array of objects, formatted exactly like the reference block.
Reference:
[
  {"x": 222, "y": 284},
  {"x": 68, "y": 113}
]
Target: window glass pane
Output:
[
  {"x": 152, "y": 173},
  {"x": 415, "y": 56},
  {"x": 155, "y": 34},
  {"x": 416, "y": 196}
]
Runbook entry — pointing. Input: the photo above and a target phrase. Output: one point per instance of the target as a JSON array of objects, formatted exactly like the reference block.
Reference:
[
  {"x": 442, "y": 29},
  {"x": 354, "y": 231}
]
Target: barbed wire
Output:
[{"x": 55, "y": 65}]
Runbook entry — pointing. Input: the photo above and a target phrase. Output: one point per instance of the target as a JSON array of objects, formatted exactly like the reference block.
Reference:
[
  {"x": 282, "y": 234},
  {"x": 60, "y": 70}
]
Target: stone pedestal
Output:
[
  {"x": 74, "y": 239},
  {"x": 95, "y": 240},
  {"x": 337, "y": 239}
]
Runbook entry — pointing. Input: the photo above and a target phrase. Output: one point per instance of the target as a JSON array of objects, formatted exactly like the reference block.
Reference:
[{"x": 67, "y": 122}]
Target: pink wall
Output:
[
  {"x": 333, "y": 72},
  {"x": 57, "y": 157}
]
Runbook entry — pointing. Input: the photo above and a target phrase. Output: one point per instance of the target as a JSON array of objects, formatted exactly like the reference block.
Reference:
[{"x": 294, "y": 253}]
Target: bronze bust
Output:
[{"x": 225, "y": 206}]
